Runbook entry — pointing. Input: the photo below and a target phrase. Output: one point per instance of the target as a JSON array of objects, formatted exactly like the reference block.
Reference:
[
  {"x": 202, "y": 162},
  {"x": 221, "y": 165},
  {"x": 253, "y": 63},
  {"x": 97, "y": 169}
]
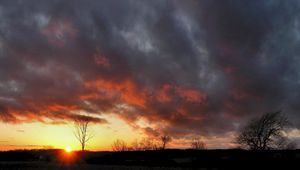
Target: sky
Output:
[{"x": 140, "y": 69}]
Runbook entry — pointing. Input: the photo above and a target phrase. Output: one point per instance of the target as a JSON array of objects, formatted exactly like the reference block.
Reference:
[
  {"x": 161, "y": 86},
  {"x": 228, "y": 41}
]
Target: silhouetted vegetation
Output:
[
  {"x": 265, "y": 132},
  {"x": 197, "y": 143},
  {"x": 262, "y": 135},
  {"x": 82, "y": 132},
  {"x": 119, "y": 146},
  {"x": 144, "y": 144},
  {"x": 165, "y": 139}
]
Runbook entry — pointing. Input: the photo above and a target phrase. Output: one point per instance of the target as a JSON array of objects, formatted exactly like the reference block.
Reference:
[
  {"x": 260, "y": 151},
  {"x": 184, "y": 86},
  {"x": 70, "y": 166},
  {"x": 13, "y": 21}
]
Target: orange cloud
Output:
[
  {"x": 127, "y": 91},
  {"x": 163, "y": 95}
]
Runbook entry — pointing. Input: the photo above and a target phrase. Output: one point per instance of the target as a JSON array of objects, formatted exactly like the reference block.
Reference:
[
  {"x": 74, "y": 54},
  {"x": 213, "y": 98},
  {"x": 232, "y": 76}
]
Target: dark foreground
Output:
[{"x": 151, "y": 160}]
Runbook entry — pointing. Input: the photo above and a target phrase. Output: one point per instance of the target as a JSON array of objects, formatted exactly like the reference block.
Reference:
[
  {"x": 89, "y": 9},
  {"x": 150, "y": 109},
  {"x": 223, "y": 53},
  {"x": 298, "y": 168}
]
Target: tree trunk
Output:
[{"x": 82, "y": 147}]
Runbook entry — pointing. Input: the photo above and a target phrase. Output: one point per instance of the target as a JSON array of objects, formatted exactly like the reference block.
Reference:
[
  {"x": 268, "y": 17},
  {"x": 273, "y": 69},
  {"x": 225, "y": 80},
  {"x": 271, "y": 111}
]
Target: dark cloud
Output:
[{"x": 183, "y": 67}]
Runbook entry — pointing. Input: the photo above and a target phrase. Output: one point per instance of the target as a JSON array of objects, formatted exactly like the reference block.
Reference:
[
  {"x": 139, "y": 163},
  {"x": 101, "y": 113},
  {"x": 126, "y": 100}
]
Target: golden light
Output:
[{"x": 68, "y": 149}]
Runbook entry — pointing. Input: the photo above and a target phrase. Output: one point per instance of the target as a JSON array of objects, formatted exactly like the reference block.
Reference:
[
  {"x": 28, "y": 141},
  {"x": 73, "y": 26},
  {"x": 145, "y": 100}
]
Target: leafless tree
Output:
[
  {"x": 165, "y": 139},
  {"x": 148, "y": 144},
  {"x": 197, "y": 143},
  {"x": 119, "y": 146},
  {"x": 82, "y": 132},
  {"x": 144, "y": 144},
  {"x": 266, "y": 132},
  {"x": 135, "y": 146}
]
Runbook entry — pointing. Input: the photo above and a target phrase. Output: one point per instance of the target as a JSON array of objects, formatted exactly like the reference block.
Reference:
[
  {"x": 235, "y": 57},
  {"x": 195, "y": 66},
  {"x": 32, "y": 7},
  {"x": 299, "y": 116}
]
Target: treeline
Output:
[
  {"x": 267, "y": 132},
  {"x": 148, "y": 144}
]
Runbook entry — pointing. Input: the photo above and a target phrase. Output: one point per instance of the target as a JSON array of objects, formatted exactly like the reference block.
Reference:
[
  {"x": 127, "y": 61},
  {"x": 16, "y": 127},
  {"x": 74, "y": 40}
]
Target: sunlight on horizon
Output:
[
  {"x": 68, "y": 149},
  {"x": 57, "y": 136}
]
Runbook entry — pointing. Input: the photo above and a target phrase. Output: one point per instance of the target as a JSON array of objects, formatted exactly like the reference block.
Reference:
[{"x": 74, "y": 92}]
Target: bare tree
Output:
[
  {"x": 148, "y": 144},
  {"x": 144, "y": 145},
  {"x": 266, "y": 132},
  {"x": 165, "y": 139},
  {"x": 82, "y": 132},
  {"x": 135, "y": 146},
  {"x": 120, "y": 146},
  {"x": 197, "y": 143}
]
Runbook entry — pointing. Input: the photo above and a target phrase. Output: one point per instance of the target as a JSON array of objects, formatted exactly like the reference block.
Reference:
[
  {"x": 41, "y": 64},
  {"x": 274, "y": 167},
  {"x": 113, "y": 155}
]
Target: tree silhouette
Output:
[
  {"x": 119, "y": 146},
  {"x": 135, "y": 146},
  {"x": 82, "y": 133},
  {"x": 266, "y": 132},
  {"x": 148, "y": 144},
  {"x": 165, "y": 139},
  {"x": 197, "y": 143}
]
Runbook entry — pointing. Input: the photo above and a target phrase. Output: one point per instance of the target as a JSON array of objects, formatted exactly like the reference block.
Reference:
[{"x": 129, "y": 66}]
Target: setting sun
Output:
[
  {"x": 68, "y": 149},
  {"x": 141, "y": 84}
]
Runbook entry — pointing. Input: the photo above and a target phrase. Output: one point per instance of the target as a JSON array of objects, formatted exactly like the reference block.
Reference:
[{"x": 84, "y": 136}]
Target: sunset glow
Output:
[
  {"x": 138, "y": 70},
  {"x": 68, "y": 149}
]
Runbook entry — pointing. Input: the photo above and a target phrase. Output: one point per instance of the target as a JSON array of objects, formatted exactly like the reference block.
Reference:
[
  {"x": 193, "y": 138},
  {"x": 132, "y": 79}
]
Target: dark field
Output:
[{"x": 150, "y": 160}]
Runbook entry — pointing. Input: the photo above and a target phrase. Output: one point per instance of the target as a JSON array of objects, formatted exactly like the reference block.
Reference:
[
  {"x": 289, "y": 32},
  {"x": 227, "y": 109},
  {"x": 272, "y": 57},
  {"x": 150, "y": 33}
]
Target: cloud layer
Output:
[{"x": 180, "y": 67}]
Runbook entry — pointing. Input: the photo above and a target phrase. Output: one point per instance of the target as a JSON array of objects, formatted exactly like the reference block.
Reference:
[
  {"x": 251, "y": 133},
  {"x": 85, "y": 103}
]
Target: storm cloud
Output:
[{"x": 182, "y": 67}]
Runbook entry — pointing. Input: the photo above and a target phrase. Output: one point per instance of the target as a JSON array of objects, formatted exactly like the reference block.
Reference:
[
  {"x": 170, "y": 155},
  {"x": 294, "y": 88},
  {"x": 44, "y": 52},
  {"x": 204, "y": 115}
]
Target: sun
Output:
[{"x": 68, "y": 149}]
